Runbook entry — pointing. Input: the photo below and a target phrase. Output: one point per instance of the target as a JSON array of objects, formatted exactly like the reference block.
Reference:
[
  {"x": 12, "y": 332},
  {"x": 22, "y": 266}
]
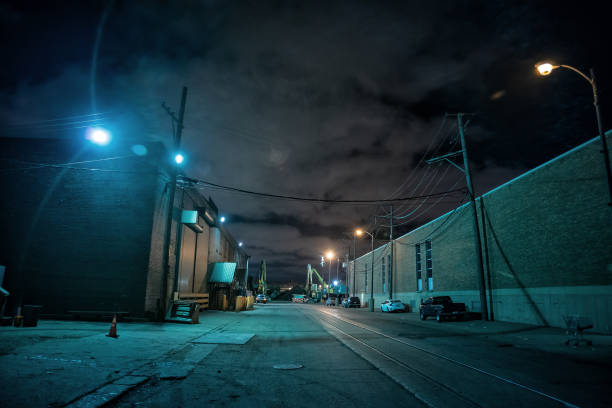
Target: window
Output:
[
  {"x": 382, "y": 274},
  {"x": 428, "y": 265},
  {"x": 390, "y": 267},
  {"x": 419, "y": 270}
]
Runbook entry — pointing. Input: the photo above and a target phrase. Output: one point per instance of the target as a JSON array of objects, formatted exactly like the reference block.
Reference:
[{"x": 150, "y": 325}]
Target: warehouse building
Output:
[
  {"x": 83, "y": 228},
  {"x": 547, "y": 245}
]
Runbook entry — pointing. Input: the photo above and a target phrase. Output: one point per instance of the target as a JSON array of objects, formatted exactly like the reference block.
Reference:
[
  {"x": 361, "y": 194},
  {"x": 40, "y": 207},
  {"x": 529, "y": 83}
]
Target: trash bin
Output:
[{"x": 30, "y": 315}]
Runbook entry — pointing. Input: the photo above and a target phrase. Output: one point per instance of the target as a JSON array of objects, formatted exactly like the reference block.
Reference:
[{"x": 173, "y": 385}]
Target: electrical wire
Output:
[
  {"x": 76, "y": 117},
  {"x": 428, "y": 170},
  {"x": 308, "y": 199},
  {"x": 411, "y": 175}
]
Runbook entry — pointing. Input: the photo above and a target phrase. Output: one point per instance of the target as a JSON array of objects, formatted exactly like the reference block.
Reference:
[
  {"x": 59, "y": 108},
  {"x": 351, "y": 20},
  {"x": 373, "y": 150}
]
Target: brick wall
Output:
[
  {"x": 76, "y": 239},
  {"x": 547, "y": 240}
]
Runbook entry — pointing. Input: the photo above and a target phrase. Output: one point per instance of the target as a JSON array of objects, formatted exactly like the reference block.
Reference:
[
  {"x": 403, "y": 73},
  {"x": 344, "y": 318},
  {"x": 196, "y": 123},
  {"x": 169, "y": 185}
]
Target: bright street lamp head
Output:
[
  {"x": 330, "y": 255},
  {"x": 98, "y": 136},
  {"x": 545, "y": 68},
  {"x": 358, "y": 232},
  {"x": 222, "y": 219},
  {"x": 335, "y": 283},
  {"x": 179, "y": 158},
  {"x": 240, "y": 244}
]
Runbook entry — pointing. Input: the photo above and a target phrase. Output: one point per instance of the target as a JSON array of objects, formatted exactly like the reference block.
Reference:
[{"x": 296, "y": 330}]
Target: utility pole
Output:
[
  {"x": 390, "y": 273},
  {"x": 477, "y": 242},
  {"x": 346, "y": 271},
  {"x": 337, "y": 267},
  {"x": 391, "y": 262},
  {"x": 172, "y": 193},
  {"x": 354, "y": 263}
]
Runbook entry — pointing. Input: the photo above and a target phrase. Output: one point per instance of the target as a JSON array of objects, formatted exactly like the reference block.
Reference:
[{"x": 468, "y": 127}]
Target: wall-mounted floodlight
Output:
[{"x": 98, "y": 136}]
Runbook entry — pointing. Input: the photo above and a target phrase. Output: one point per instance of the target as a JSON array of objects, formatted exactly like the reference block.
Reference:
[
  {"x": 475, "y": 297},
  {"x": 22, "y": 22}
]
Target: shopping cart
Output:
[{"x": 576, "y": 324}]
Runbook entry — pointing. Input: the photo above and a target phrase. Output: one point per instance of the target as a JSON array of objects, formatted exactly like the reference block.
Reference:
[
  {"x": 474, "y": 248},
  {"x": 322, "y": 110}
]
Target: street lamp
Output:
[
  {"x": 240, "y": 244},
  {"x": 547, "y": 68},
  {"x": 98, "y": 136},
  {"x": 179, "y": 158},
  {"x": 222, "y": 219},
  {"x": 360, "y": 232}
]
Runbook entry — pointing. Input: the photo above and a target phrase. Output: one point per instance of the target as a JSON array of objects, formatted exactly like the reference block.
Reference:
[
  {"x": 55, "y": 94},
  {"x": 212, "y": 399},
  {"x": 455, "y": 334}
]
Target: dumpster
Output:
[{"x": 30, "y": 315}]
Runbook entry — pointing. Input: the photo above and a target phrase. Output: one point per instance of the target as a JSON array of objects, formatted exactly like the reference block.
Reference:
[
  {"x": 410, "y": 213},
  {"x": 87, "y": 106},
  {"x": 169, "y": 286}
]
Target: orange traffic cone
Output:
[{"x": 113, "y": 329}]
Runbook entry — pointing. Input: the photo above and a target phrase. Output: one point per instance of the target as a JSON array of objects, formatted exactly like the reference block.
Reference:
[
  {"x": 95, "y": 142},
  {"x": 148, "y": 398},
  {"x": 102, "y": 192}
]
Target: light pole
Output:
[
  {"x": 359, "y": 232},
  {"x": 330, "y": 257},
  {"x": 545, "y": 69}
]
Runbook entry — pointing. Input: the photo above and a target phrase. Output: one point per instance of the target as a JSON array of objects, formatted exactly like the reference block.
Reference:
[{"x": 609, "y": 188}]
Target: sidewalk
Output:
[
  {"x": 58, "y": 362},
  {"x": 507, "y": 334}
]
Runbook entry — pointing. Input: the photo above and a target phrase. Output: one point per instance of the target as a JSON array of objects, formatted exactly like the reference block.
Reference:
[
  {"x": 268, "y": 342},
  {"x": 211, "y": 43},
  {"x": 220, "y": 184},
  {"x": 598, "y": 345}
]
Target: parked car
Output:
[
  {"x": 442, "y": 307},
  {"x": 330, "y": 301},
  {"x": 299, "y": 298},
  {"x": 261, "y": 299},
  {"x": 351, "y": 302},
  {"x": 392, "y": 305}
]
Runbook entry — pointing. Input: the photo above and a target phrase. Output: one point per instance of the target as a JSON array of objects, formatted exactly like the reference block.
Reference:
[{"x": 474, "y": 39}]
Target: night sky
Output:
[{"x": 332, "y": 99}]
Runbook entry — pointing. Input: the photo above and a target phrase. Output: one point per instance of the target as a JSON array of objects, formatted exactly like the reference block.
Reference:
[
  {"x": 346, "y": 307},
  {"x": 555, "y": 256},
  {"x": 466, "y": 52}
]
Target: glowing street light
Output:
[
  {"x": 240, "y": 244},
  {"x": 179, "y": 158},
  {"x": 98, "y": 136},
  {"x": 545, "y": 69},
  {"x": 330, "y": 255},
  {"x": 222, "y": 219},
  {"x": 335, "y": 283}
]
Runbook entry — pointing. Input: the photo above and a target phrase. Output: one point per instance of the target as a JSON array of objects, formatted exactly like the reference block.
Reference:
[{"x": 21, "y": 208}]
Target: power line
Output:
[
  {"x": 65, "y": 118},
  {"x": 308, "y": 199}
]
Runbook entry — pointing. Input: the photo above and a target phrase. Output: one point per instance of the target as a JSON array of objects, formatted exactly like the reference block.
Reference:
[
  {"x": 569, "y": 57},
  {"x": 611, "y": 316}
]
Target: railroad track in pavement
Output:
[{"x": 435, "y": 379}]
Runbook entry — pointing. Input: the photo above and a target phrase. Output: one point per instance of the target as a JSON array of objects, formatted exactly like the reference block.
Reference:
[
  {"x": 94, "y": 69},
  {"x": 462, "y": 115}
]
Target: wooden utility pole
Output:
[
  {"x": 173, "y": 174},
  {"x": 468, "y": 179},
  {"x": 390, "y": 273}
]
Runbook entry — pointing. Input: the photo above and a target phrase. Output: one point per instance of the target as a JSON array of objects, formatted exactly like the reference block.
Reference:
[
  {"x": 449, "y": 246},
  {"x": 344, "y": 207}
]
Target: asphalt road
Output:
[
  {"x": 331, "y": 375},
  {"x": 446, "y": 368},
  {"x": 300, "y": 355}
]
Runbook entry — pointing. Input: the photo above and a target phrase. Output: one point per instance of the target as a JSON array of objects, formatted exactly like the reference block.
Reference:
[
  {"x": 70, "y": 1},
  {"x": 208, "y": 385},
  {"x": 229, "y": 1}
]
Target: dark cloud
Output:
[
  {"x": 334, "y": 99},
  {"x": 307, "y": 228}
]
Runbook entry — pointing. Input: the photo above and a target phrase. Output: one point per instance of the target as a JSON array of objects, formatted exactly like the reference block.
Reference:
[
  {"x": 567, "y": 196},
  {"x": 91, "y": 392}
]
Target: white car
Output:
[{"x": 392, "y": 306}]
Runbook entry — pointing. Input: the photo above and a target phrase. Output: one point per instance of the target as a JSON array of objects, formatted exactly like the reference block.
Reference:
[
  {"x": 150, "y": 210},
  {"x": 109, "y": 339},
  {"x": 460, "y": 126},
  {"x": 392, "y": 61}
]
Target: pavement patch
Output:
[
  {"x": 224, "y": 338},
  {"x": 131, "y": 380},
  {"x": 101, "y": 396},
  {"x": 175, "y": 372},
  {"x": 287, "y": 366}
]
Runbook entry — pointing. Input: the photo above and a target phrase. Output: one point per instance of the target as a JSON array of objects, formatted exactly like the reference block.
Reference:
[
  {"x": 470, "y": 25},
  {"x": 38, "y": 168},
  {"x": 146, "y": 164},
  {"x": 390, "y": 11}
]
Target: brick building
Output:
[
  {"x": 89, "y": 235},
  {"x": 546, "y": 241}
]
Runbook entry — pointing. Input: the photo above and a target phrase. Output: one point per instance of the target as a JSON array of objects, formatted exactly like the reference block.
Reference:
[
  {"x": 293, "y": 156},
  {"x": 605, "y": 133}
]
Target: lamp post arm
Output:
[{"x": 590, "y": 80}]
